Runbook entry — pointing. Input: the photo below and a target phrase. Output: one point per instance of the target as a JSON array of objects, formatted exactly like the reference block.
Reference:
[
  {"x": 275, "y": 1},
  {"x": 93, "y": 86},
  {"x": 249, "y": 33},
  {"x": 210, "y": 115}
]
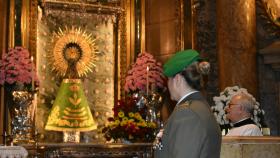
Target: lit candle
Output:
[
  {"x": 32, "y": 74},
  {"x": 147, "y": 81}
]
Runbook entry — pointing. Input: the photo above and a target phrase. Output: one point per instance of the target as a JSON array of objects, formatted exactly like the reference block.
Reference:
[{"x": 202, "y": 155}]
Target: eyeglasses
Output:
[{"x": 231, "y": 105}]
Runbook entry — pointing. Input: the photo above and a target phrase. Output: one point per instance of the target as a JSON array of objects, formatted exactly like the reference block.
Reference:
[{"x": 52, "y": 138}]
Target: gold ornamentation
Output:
[
  {"x": 71, "y": 80},
  {"x": 75, "y": 110},
  {"x": 74, "y": 88},
  {"x": 53, "y": 117},
  {"x": 272, "y": 11},
  {"x": 12, "y": 24},
  {"x": 73, "y": 114},
  {"x": 33, "y": 20},
  {"x": 72, "y": 47},
  {"x": 75, "y": 118},
  {"x": 50, "y": 6},
  {"x": 183, "y": 106},
  {"x": 75, "y": 100},
  {"x": 270, "y": 23},
  {"x": 83, "y": 122}
]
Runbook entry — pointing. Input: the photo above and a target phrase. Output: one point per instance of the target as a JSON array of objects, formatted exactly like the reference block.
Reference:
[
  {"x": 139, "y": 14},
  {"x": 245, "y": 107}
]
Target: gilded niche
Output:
[{"x": 87, "y": 30}]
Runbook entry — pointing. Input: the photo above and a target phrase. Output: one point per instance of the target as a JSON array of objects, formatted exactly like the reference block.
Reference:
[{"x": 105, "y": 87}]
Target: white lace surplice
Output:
[{"x": 246, "y": 130}]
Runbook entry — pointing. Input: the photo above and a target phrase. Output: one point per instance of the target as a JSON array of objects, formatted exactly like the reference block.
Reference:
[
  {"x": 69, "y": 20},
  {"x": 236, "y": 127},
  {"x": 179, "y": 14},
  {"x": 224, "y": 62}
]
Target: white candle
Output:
[
  {"x": 5, "y": 138},
  {"x": 147, "y": 81},
  {"x": 34, "y": 112},
  {"x": 32, "y": 74}
]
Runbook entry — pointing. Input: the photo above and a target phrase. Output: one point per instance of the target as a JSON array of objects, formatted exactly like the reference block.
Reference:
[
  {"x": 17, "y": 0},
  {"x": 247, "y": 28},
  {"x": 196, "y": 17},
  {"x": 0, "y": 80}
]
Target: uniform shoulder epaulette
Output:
[{"x": 182, "y": 106}]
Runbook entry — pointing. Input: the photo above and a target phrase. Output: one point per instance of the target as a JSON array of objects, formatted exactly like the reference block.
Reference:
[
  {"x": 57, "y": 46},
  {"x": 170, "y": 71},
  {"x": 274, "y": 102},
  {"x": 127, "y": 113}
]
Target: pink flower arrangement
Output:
[
  {"x": 16, "y": 68},
  {"x": 146, "y": 70}
]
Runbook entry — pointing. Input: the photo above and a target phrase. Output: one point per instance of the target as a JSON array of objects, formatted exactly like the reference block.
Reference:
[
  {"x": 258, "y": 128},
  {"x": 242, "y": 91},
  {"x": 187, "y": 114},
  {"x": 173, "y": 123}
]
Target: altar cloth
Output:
[{"x": 13, "y": 152}]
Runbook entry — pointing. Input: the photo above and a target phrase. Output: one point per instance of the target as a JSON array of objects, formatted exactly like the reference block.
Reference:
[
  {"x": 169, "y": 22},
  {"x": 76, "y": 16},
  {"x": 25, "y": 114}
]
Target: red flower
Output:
[{"x": 129, "y": 125}]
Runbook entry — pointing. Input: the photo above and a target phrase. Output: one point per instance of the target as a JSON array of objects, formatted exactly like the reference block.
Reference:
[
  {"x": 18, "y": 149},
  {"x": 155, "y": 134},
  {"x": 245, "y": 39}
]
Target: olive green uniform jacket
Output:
[{"x": 191, "y": 131}]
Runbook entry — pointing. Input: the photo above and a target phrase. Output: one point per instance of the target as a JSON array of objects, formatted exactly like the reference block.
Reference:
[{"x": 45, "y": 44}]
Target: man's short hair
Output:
[{"x": 246, "y": 102}]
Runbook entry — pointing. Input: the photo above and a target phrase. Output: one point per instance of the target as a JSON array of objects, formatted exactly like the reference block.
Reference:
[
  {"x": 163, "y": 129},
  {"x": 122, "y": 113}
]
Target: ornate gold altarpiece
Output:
[
  {"x": 123, "y": 29},
  {"x": 108, "y": 22},
  {"x": 83, "y": 150},
  {"x": 124, "y": 41},
  {"x": 232, "y": 147}
]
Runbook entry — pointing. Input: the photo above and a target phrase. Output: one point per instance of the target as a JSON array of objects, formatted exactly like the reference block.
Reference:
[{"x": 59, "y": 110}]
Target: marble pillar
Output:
[{"x": 236, "y": 40}]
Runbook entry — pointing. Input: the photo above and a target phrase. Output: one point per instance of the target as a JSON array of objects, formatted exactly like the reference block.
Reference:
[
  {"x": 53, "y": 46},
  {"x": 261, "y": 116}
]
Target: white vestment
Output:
[{"x": 245, "y": 130}]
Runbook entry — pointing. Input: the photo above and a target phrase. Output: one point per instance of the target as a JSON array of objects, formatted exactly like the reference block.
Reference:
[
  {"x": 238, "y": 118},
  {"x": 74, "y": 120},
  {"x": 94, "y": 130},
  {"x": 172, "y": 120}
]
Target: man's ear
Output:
[{"x": 241, "y": 109}]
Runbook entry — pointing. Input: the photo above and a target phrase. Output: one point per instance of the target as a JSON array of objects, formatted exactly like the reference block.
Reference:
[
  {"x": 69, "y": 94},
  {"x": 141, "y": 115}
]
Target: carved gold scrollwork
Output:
[
  {"x": 33, "y": 27},
  {"x": 117, "y": 8},
  {"x": 269, "y": 16},
  {"x": 272, "y": 8}
]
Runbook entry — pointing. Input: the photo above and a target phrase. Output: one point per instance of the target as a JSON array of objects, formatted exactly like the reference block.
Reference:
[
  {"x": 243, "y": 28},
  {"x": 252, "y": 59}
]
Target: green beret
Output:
[{"x": 179, "y": 61}]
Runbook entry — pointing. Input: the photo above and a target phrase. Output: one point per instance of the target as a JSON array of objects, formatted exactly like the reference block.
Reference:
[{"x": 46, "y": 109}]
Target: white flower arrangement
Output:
[{"x": 225, "y": 97}]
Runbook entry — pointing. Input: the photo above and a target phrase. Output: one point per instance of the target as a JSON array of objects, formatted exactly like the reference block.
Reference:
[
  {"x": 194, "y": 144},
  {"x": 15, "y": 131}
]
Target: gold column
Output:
[
  {"x": 143, "y": 28},
  {"x": 31, "y": 33},
  {"x": 129, "y": 16},
  {"x": 3, "y": 48},
  {"x": 188, "y": 21},
  {"x": 25, "y": 23},
  {"x": 137, "y": 27},
  {"x": 135, "y": 34},
  {"x": 236, "y": 35},
  {"x": 12, "y": 24}
]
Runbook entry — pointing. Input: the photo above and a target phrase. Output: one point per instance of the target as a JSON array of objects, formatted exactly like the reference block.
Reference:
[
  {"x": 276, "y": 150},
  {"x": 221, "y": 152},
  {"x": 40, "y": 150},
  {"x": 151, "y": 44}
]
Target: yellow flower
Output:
[
  {"x": 121, "y": 114},
  {"x": 130, "y": 120},
  {"x": 117, "y": 122},
  {"x": 138, "y": 116},
  {"x": 125, "y": 119},
  {"x": 124, "y": 122},
  {"x": 131, "y": 114},
  {"x": 112, "y": 124},
  {"x": 142, "y": 124},
  {"x": 152, "y": 125}
]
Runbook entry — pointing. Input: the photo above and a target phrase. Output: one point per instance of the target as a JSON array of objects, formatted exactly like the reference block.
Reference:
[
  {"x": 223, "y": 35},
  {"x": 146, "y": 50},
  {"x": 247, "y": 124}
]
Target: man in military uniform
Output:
[{"x": 191, "y": 131}]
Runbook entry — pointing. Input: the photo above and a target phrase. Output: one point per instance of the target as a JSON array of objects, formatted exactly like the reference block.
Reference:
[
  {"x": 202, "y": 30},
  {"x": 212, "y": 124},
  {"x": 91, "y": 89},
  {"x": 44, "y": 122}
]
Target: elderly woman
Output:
[{"x": 191, "y": 131}]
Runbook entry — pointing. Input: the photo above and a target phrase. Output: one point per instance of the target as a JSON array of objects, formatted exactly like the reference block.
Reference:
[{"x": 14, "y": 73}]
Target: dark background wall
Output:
[
  {"x": 269, "y": 96},
  {"x": 162, "y": 41},
  {"x": 161, "y": 28}
]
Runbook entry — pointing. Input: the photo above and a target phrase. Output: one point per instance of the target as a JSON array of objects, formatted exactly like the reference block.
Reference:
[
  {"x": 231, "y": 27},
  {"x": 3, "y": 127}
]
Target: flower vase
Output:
[
  {"x": 154, "y": 103},
  {"x": 150, "y": 104},
  {"x": 22, "y": 111}
]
